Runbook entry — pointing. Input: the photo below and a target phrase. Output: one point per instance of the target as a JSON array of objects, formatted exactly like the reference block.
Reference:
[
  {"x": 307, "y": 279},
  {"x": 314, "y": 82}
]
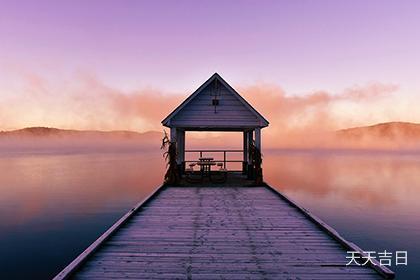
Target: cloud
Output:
[
  {"x": 308, "y": 118},
  {"x": 135, "y": 110},
  {"x": 85, "y": 102}
]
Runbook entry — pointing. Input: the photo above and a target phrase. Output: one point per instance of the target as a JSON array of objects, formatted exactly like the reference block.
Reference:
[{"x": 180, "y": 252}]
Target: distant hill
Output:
[
  {"x": 65, "y": 140},
  {"x": 391, "y": 131},
  {"x": 392, "y": 135},
  {"x": 51, "y": 132}
]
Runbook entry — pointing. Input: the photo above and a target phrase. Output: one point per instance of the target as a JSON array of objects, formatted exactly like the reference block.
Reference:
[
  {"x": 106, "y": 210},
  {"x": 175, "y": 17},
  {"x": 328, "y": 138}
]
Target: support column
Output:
[
  {"x": 182, "y": 150},
  {"x": 245, "y": 152},
  {"x": 173, "y": 134},
  {"x": 180, "y": 146},
  {"x": 258, "y": 138},
  {"x": 250, "y": 170}
]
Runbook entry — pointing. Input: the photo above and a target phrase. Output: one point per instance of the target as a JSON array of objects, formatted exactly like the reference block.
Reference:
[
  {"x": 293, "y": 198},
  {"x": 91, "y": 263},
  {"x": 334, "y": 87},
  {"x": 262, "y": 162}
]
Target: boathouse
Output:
[{"x": 216, "y": 106}]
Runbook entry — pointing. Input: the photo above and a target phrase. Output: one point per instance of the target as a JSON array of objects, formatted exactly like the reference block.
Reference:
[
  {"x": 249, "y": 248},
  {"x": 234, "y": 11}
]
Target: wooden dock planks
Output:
[{"x": 220, "y": 233}]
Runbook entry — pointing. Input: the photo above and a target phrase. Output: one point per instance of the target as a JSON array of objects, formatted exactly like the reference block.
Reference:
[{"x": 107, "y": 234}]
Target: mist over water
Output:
[{"x": 54, "y": 204}]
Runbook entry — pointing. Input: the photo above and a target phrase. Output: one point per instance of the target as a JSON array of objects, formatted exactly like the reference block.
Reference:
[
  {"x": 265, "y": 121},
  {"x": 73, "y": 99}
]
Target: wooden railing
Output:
[{"x": 225, "y": 160}]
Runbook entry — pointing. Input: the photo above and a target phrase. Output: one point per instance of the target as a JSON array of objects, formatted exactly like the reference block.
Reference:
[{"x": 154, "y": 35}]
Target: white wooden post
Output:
[
  {"x": 181, "y": 149},
  {"x": 179, "y": 146},
  {"x": 249, "y": 168},
  {"x": 258, "y": 138},
  {"x": 173, "y": 134},
  {"x": 250, "y": 138},
  {"x": 175, "y": 138},
  {"x": 245, "y": 152}
]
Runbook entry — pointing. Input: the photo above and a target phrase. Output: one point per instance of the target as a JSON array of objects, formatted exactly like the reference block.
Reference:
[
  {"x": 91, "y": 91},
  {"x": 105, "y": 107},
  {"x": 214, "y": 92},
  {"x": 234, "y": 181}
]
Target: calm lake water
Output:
[{"x": 52, "y": 206}]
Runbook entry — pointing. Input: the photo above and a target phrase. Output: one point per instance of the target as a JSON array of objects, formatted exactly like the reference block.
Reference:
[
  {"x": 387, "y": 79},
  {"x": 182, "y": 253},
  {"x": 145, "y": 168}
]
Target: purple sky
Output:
[{"x": 174, "y": 46}]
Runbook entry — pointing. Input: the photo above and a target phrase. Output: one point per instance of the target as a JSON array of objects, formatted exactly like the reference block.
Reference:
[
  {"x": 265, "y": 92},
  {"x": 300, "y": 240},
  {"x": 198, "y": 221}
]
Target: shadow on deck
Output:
[{"x": 232, "y": 179}]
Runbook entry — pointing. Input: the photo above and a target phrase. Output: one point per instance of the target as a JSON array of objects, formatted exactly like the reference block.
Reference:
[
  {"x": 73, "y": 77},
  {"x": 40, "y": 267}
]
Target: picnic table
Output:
[
  {"x": 205, "y": 164},
  {"x": 205, "y": 159}
]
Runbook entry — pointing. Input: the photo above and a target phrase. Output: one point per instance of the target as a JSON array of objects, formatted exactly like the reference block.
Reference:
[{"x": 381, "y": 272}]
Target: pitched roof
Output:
[{"x": 247, "y": 110}]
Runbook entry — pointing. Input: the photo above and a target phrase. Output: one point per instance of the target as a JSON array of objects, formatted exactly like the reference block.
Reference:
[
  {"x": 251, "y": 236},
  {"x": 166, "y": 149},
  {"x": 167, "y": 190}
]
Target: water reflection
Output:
[
  {"x": 370, "y": 198},
  {"x": 375, "y": 179},
  {"x": 35, "y": 185},
  {"x": 52, "y": 206}
]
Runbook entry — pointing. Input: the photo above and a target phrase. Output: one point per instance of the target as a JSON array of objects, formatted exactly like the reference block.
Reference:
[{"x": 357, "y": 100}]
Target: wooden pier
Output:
[
  {"x": 228, "y": 230},
  {"x": 219, "y": 232}
]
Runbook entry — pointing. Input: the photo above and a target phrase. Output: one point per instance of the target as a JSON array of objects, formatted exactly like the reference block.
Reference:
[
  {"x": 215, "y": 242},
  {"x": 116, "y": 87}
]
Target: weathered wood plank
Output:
[{"x": 220, "y": 233}]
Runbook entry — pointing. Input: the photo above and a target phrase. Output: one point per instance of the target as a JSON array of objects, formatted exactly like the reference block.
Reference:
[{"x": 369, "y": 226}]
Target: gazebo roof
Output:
[{"x": 215, "y": 105}]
